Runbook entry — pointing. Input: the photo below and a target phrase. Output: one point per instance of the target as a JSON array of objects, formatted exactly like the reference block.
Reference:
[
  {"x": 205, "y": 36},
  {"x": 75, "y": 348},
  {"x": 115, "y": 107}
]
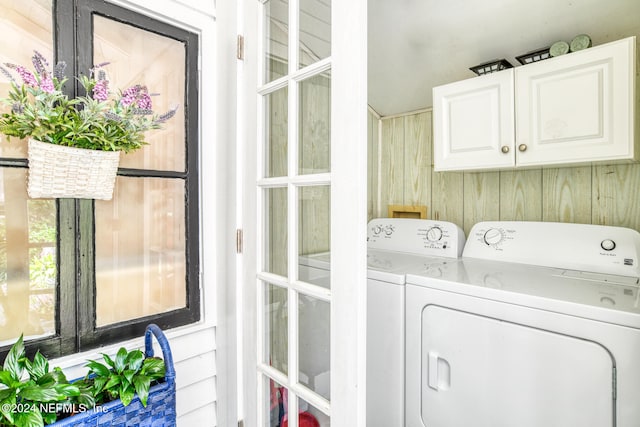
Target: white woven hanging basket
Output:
[{"x": 56, "y": 171}]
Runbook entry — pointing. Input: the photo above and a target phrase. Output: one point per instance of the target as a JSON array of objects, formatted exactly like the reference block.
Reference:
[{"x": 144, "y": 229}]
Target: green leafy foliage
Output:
[
  {"x": 33, "y": 395},
  {"x": 124, "y": 376},
  {"x": 29, "y": 391},
  {"x": 100, "y": 120}
]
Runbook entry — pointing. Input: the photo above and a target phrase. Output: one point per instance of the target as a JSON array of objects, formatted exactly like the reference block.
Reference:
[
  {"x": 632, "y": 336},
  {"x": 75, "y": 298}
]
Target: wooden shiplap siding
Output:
[{"x": 592, "y": 194}]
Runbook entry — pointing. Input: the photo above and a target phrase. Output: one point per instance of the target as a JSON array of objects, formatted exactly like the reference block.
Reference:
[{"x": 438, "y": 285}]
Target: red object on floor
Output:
[{"x": 305, "y": 419}]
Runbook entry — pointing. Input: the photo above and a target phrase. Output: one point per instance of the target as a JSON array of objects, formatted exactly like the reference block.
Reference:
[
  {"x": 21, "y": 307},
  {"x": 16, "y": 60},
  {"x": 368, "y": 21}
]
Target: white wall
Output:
[{"x": 198, "y": 349}]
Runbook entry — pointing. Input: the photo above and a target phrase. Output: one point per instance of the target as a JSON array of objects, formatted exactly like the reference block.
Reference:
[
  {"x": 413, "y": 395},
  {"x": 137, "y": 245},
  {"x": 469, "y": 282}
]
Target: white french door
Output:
[{"x": 304, "y": 153}]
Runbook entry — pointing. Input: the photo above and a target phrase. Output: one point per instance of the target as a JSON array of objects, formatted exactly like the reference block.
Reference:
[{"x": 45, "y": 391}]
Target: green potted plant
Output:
[
  {"x": 30, "y": 392},
  {"x": 132, "y": 389},
  {"x": 130, "y": 373},
  {"x": 87, "y": 132}
]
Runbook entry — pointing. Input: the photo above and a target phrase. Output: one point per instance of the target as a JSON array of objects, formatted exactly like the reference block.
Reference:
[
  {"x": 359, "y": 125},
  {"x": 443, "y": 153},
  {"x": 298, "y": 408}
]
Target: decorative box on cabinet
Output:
[{"x": 574, "y": 108}]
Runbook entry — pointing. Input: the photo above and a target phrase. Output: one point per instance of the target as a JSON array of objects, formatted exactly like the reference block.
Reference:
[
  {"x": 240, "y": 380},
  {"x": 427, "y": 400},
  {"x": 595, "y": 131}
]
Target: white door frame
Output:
[{"x": 348, "y": 217}]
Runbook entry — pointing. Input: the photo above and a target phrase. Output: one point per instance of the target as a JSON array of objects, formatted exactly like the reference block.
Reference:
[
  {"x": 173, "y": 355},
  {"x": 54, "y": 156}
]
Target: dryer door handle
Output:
[{"x": 438, "y": 372}]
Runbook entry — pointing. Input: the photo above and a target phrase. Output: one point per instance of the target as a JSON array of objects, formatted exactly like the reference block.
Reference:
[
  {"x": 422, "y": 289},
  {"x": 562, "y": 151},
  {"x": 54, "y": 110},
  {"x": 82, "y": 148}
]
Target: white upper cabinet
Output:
[
  {"x": 578, "y": 107},
  {"x": 575, "y": 108},
  {"x": 473, "y": 123}
]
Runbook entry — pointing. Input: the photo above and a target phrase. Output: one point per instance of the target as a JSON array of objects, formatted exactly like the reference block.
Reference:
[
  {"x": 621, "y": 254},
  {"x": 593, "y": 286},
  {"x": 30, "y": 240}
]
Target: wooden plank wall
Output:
[{"x": 592, "y": 194}]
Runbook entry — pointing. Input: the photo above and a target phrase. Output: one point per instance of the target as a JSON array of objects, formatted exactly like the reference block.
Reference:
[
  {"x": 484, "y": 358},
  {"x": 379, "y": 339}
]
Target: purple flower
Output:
[
  {"x": 46, "y": 84},
  {"x": 144, "y": 100},
  {"x": 28, "y": 78},
  {"x": 17, "y": 108},
  {"x": 166, "y": 116},
  {"x": 101, "y": 90},
  {"x": 129, "y": 96},
  {"x": 7, "y": 74},
  {"x": 58, "y": 71},
  {"x": 142, "y": 112},
  {"x": 112, "y": 116},
  {"x": 39, "y": 62}
]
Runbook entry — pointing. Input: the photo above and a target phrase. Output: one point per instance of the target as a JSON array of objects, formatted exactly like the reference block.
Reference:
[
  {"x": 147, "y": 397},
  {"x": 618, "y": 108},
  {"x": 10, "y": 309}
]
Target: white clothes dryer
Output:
[{"x": 537, "y": 325}]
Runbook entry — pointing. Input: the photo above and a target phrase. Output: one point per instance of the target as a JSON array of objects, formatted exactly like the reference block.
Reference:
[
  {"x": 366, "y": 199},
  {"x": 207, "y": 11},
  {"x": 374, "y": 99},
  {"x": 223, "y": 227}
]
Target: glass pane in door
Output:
[
  {"x": 276, "y": 40},
  {"x": 314, "y": 344},
  {"x": 315, "y": 124},
  {"x": 314, "y": 234},
  {"x": 315, "y": 31},
  {"x": 274, "y": 403},
  {"x": 275, "y": 238},
  {"x": 276, "y": 121},
  {"x": 310, "y": 415},
  {"x": 276, "y": 325}
]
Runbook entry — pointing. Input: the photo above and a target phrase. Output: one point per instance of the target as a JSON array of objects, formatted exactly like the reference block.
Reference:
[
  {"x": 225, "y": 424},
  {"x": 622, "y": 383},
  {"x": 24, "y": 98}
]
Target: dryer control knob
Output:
[
  {"x": 493, "y": 236},
  {"x": 608, "y": 245},
  {"x": 434, "y": 234}
]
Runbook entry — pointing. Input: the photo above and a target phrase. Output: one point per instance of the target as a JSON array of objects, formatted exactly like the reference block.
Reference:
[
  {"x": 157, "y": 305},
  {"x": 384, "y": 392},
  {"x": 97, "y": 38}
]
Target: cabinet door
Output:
[
  {"x": 577, "y": 107},
  {"x": 473, "y": 123}
]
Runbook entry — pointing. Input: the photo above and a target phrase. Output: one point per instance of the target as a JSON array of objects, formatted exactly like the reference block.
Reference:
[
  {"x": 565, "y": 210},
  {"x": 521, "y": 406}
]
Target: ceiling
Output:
[{"x": 415, "y": 45}]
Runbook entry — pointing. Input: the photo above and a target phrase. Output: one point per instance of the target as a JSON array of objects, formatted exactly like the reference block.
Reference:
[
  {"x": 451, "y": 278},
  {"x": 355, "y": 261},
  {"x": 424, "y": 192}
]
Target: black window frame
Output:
[{"x": 76, "y": 288}]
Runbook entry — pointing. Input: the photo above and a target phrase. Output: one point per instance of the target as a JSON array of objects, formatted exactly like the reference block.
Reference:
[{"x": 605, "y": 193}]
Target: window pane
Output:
[
  {"x": 310, "y": 415},
  {"x": 314, "y": 344},
  {"x": 140, "y": 249},
  {"x": 276, "y": 121},
  {"x": 29, "y": 24},
  {"x": 275, "y": 394},
  {"x": 27, "y": 260},
  {"x": 314, "y": 234},
  {"x": 276, "y": 39},
  {"x": 315, "y": 31},
  {"x": 276, "y": 327},
  {"x": 276, "y": 231},
  {"x": 136, "y": 56},
  {"x": 315, "y": 124}
]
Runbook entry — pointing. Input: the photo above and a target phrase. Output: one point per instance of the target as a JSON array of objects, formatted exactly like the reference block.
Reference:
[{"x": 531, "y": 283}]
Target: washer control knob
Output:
[
  {"x": 608, "y": 245},
  {"x": 493, "y": 236},
  {"x": 377, "y": 230},
  {"x": 434, "y": 234},
  {"x": 388, "y": 230}
]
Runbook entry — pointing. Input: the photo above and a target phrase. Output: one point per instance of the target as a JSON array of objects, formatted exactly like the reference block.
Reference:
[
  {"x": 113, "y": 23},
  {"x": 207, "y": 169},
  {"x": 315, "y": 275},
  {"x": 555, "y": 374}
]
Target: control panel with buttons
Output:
[
  {"x": 587, "y": 247},
  {"x": 416, "y": 236}
]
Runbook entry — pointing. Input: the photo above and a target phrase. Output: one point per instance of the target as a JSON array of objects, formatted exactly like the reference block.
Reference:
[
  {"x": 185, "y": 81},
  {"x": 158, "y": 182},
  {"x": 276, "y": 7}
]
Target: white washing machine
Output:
[
  {"x": 394, "y": 246},
  {"x": 537, "y": 325}
]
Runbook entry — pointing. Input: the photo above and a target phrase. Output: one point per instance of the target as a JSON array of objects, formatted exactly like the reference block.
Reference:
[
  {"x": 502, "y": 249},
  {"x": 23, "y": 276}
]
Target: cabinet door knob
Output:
[
  {"x": 505, "y": 149},
  {"x": 522, "y": 147}
]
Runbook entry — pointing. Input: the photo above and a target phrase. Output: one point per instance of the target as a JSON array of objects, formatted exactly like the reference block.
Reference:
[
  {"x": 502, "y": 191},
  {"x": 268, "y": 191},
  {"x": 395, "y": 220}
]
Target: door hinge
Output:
[
  {"x": 240, "y": 51},
  {"x": 239, "y": 240}
]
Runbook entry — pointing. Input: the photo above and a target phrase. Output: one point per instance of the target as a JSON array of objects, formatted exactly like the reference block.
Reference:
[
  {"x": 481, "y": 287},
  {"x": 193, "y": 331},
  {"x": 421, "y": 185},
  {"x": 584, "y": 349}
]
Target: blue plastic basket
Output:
[{"x": 161, "y": 405}]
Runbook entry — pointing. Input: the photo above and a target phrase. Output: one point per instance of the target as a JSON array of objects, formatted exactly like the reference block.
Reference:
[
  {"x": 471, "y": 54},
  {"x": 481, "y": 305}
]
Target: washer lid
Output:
[{"x": 390, "y": 266}]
